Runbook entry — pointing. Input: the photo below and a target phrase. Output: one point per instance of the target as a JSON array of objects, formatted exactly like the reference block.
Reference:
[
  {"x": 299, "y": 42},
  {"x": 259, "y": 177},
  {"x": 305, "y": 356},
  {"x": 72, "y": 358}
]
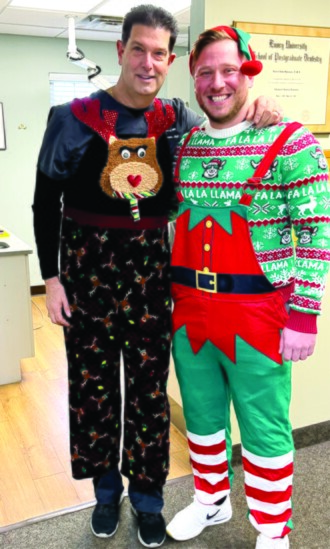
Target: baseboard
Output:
[
  {"x": 303, "y": 437},
  {"x": 38, "y": 290},
  {"x": 311, "y": 434}
]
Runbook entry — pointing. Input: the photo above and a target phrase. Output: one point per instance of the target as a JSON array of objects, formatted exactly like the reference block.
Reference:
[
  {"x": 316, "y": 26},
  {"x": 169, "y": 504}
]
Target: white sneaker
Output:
[
  {"x": 192, "y": 520},
  {"x": 268, "y": 543}
]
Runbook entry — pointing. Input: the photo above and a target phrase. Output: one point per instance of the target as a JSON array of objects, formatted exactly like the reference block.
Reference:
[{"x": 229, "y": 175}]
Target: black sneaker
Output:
[
  {"x": 151, "y": 528},
  {"x": 105, "y": 519}
]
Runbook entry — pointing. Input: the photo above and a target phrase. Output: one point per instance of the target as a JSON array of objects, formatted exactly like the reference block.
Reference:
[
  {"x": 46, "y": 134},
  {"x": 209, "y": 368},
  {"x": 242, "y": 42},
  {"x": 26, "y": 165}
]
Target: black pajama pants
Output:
[{"x": 117, "y": 284}]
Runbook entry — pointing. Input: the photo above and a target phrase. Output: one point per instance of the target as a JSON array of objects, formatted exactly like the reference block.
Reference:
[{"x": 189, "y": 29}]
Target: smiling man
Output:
[
  {"x": 104, "y": 195},
  {"x": 222, "y": 94},
  {"x": 245, "y": 301}
]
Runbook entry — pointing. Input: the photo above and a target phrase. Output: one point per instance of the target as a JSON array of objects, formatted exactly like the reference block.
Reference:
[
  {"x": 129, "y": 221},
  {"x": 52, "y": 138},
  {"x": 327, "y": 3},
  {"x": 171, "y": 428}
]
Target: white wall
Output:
[{"x": 178, "y": 80}]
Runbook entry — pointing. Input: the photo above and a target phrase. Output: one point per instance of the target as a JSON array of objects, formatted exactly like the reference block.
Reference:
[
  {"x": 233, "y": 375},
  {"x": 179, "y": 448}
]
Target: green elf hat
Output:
[{"x": 252, "y": 66}]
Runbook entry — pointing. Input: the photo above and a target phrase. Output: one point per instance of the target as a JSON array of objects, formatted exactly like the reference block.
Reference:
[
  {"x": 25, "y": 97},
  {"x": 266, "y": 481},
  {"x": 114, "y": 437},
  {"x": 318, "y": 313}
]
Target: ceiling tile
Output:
[{"x": 67, "y": 6}]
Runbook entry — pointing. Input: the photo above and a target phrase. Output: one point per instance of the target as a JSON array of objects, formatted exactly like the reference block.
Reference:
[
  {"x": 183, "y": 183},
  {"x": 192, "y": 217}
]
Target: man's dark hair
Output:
[{"x": 150, "y": 16}]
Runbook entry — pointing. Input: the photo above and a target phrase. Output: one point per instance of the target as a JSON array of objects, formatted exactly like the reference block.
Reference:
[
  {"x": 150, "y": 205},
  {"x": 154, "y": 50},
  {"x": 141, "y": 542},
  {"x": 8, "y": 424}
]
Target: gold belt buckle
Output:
[{"x": 212, "y": 282}]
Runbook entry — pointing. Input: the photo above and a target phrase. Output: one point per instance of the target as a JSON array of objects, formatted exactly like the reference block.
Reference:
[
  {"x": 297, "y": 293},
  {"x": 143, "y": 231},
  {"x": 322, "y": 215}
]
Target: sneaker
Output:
[
  {"x": 151, "y": 528},
  {"x": 192, "y": 520},
  {"x": 269, "y": 543},
  {"x": 105, "y": 518}
]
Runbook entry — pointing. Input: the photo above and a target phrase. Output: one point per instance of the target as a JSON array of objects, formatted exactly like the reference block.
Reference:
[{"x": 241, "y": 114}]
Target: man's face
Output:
[
  {"x": 145, "y": 60},
  {"x": 220, "y": 87}
]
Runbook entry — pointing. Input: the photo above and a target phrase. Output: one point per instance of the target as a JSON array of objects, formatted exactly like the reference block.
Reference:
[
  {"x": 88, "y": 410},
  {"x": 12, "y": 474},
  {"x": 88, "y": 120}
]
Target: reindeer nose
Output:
[{"x": 134, "y": 180}]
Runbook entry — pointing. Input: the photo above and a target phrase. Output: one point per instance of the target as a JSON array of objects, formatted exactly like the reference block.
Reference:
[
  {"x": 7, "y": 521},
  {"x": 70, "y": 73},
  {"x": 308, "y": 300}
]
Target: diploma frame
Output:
[
  {"x": 2, "y": 130},
  {"x": 291, "y": 31}
]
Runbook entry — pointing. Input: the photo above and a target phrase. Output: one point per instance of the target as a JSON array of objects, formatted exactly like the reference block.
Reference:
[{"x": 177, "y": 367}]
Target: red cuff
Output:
[{"x": 302, "y": 322}]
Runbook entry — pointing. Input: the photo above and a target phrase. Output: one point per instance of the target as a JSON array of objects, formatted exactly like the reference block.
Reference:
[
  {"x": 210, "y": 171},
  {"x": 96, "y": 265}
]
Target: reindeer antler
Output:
[
  {"x": 88, "y": 111},
  {"x": 158, "y": 121}
]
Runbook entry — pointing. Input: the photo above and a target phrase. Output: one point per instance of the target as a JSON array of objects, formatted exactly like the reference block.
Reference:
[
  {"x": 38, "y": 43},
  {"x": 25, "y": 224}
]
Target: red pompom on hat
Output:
[{"x": 252, "y": 66}]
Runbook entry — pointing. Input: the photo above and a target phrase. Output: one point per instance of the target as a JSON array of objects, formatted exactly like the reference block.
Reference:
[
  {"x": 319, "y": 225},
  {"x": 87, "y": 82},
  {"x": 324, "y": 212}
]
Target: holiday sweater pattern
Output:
[{"x": 289, "y": 217}]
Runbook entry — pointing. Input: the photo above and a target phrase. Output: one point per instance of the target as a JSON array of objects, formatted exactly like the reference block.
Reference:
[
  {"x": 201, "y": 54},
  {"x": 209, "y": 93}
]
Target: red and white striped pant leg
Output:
[
  {"x": 268, "y": 488},
  {"x": 209, "y": 462}
]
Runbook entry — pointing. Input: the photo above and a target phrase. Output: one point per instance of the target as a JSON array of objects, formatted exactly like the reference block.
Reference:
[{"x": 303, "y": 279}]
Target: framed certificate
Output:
[{"x": 296, "y": 70}]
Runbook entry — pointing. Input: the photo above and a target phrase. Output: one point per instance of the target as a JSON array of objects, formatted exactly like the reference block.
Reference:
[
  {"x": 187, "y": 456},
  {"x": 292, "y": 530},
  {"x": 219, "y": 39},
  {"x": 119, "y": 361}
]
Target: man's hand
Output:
[
  {"x": 56, "y": 302},
  {"x": 264, "y": 111},
  {"x": 296, "y": 345}
]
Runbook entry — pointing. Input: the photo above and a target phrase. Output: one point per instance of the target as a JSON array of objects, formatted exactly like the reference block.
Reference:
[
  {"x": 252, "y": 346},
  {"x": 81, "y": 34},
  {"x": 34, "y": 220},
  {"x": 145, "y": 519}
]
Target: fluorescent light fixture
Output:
[
  {"x": 107, "y": 7},
  {"x": 83, "y": 6},
  {"x": 119, "y": 9}
]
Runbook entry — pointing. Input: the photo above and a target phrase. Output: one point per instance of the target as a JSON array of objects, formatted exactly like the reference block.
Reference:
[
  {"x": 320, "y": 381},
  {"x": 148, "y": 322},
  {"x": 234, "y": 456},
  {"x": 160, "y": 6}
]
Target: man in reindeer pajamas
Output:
[{"x": 245, "y": 299}]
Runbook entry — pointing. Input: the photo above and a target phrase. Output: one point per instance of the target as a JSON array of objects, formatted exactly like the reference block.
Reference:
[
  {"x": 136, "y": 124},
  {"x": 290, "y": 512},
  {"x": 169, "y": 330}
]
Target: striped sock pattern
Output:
[
  {"x": 208, "y": 458},
  {"x": 268, "y": 488}
]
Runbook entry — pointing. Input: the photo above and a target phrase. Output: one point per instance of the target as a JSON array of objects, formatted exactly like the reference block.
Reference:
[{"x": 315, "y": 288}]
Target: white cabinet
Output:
[{"x": 16, "y": 331}]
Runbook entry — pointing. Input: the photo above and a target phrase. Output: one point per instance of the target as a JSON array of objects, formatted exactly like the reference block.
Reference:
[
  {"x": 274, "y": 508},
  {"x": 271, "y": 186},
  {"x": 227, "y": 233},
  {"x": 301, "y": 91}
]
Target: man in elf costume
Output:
[{"x": 245, "y": 301}]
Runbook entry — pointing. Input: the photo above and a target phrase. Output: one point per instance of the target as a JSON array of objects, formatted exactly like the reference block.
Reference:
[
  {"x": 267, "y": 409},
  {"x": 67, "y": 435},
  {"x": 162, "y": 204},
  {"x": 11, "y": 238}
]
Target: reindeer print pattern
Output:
[{"x": 119, "y": 302}]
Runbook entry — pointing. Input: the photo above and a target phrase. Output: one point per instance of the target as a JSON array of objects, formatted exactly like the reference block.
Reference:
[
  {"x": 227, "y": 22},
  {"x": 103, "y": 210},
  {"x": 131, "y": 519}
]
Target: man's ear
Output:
[
  {"x": 171, "y": 58},
  {"x": 251, "y": 81},
  {"x": 120, "y": 51}
]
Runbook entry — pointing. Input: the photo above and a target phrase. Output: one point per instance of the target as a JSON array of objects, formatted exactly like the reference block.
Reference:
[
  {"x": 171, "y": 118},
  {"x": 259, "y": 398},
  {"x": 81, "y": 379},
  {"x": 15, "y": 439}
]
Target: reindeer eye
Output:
[
  {"x": 125, "y": 154},
  {"x": 141, "y": 153}
]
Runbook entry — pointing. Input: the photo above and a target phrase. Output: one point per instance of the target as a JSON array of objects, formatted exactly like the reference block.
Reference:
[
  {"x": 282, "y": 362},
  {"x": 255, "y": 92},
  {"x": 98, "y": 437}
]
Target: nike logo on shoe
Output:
[{"x": 208, "y": 517}]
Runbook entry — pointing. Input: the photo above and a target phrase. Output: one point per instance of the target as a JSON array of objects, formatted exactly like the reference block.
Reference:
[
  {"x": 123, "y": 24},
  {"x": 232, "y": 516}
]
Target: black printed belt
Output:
[
  {"x": 221, "y": 283},
  {"x": 113, "y": 221}
]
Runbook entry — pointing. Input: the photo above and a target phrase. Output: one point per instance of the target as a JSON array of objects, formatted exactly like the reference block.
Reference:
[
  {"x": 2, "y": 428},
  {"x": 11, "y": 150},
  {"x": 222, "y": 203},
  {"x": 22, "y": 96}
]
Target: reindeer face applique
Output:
[{"x": 132, "y": 171}]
